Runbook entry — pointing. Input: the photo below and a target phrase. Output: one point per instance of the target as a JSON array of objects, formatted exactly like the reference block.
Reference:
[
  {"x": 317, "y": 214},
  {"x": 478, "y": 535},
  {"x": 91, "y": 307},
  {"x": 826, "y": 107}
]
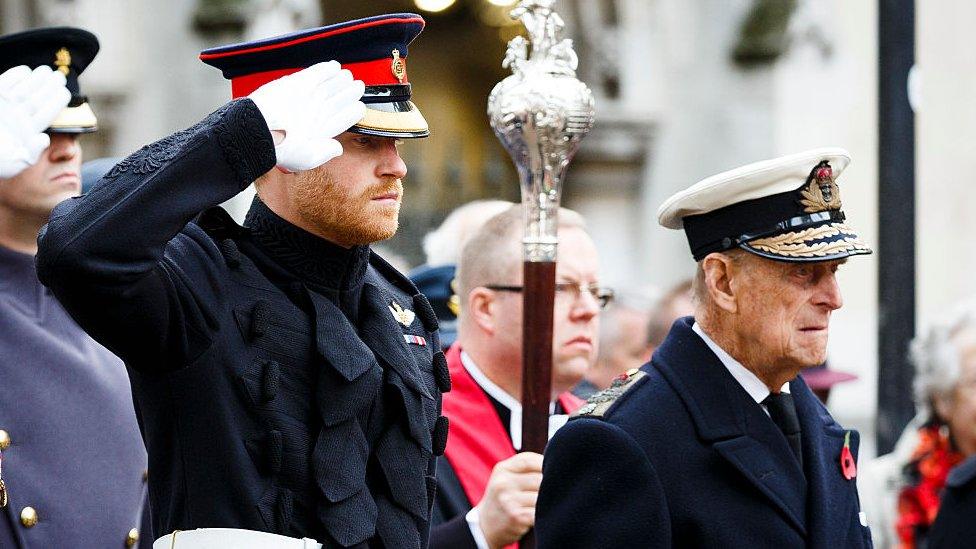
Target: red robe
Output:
[{"x": 477, "y": 439}]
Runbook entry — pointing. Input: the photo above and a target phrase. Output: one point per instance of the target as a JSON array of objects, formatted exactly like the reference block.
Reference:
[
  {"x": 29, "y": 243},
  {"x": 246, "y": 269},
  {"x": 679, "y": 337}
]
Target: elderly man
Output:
[
  {"x": 716, "y": 442},
  {"x": 285, "y": 375},
  {"x": 73, "y": 461},
  {"x": 485, "y": 492}
]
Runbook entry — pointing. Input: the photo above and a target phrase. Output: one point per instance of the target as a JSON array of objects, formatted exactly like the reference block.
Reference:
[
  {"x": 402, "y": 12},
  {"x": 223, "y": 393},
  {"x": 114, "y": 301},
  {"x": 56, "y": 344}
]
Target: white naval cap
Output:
[{"x": 787, "y": 209}]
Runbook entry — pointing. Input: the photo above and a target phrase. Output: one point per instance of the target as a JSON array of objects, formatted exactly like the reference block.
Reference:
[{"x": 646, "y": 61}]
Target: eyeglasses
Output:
[{"x": 602, "y": 295}]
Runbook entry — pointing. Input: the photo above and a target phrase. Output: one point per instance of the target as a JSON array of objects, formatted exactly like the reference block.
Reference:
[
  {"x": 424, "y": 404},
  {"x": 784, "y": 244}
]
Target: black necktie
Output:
[{"x": 783, "y": 413}]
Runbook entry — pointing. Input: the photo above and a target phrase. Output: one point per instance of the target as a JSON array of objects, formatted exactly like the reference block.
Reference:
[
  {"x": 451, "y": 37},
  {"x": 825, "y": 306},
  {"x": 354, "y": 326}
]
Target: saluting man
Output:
[
  {"x": 286, "y": 376},
  {"x": 716, "y": 442},
  {"x": 72, "y": 462}
]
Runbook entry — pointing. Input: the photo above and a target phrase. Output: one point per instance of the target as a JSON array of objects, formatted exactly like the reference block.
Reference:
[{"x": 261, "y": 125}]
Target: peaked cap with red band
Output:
[{"x": 374, "y": 49}]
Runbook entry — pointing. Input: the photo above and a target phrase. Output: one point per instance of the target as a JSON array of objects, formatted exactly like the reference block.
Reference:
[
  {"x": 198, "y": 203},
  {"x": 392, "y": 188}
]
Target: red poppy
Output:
[{"x": 847, "y": 463}]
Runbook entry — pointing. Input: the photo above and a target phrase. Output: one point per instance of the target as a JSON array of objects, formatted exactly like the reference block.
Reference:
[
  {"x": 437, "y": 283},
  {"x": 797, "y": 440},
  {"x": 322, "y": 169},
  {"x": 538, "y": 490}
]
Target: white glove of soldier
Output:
[
  {"x": 310, "y": 107},
  {"x": 29, "y": 102}
]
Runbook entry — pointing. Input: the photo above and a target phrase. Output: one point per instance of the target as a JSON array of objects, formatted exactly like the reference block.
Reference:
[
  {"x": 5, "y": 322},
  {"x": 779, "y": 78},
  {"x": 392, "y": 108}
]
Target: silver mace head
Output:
[{"x": 540, "y": 113}]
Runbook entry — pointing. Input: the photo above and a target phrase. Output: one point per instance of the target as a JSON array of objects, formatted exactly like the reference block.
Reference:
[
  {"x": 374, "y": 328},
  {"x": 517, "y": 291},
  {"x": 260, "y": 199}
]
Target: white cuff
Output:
[{"x": 474, "y": 524}]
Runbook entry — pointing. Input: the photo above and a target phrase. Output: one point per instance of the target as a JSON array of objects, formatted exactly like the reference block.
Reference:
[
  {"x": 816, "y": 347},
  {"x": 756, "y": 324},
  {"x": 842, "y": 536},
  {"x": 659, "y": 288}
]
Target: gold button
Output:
[
  {"x": 4, "y": 440},
  {"x": 132, "y": 538},
  {"x": 28, "y": 517}
]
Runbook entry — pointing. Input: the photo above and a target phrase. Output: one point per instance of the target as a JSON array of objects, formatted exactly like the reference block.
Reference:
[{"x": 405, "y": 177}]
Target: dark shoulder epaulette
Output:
[{"x": 598, "y": 404}]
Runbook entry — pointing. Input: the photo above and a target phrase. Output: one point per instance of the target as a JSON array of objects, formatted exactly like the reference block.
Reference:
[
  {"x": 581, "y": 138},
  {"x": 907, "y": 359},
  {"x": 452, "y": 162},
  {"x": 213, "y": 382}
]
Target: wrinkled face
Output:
[
  {"x": 784, "y": 311},
  {"x": 354, "y": 198},
  {"x": 55, "y": 177},
  {"x": 576, "y": 314},
  {"x": 961, "y": 408}
]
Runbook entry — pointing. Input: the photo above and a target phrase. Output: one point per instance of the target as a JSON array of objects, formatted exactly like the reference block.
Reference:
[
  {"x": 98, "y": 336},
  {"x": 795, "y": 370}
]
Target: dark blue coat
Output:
[
  {"x": 264, "y": 404},
  {"x": 955, "y": 525},
  {"x": 686, "y": 458}
]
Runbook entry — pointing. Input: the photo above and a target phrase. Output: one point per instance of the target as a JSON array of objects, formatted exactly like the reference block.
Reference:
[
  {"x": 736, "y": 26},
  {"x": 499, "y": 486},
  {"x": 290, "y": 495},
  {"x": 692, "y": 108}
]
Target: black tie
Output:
[{"x": 783, "y": 413}]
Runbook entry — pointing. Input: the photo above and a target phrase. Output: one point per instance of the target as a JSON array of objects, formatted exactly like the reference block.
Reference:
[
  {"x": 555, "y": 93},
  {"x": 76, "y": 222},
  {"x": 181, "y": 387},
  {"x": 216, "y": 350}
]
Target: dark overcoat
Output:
[
  {"x": 72, "y": 455},
  {"x": 262, "y": 404},
  {"x": 685, "y": 458},
  {"x": 955, "y": 525}
]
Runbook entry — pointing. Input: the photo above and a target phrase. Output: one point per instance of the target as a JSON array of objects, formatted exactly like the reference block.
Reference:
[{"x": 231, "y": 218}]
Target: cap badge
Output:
[
  {"x": 821, "y": 192},
  {"x": 399, "y": 66},
  {"x": 403, "y": 316},
  {"x": 62, "y": 60}
]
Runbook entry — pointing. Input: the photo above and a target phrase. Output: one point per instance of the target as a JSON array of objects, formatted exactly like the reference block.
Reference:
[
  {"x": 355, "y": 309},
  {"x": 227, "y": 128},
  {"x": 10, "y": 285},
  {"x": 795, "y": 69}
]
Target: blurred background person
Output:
[
  {"x": 901, "y": 491},
  {"x": 74, "y": 463},
  {"x": 674, "y": 304},
  {"x": 442, "y": 247},
  {"x": 821, "y": 380},
  {"x": 485, "y": 491},
  {"x": 623, "y": 340}
]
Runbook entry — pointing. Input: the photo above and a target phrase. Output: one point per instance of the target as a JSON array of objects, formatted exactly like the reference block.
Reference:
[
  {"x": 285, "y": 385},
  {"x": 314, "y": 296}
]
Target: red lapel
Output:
[
  {"x": 477, "y": 439},
  {"x": 570, "y": 402}
]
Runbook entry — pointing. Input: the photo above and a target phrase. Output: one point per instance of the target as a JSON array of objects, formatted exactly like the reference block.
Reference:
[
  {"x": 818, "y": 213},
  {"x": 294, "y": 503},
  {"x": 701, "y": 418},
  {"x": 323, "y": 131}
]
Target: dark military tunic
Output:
[
  {"x": 73, "y": 460},
  {"x": 681, "y": 456},
  {"x": 284, "y": 384}
]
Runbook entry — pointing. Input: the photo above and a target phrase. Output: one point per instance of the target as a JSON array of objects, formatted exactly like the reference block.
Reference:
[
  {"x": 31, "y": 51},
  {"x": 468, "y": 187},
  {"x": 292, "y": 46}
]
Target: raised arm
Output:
[{"x": 123, "y": 259}]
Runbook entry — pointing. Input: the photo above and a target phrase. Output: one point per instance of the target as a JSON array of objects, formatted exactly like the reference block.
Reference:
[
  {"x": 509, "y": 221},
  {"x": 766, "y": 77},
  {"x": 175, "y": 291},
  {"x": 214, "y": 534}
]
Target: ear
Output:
[
  {"x": 720, "y": 272},
  {"x": 481, "y": 309}
]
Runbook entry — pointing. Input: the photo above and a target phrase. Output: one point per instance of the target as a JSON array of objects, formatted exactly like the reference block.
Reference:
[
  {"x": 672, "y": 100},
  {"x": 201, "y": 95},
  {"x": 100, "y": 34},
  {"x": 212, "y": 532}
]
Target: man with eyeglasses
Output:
[{"x": 485, "y": 491}]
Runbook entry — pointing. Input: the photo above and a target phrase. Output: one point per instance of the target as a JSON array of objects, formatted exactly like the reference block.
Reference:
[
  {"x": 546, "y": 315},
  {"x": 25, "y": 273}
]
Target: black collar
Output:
[{"x": 336, "y": 272}]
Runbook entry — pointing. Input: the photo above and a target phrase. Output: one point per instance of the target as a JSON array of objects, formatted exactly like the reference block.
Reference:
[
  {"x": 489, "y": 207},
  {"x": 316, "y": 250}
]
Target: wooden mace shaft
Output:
[
  {"x": 537, "y": 305},
  {"x": 538, "y": 296}
]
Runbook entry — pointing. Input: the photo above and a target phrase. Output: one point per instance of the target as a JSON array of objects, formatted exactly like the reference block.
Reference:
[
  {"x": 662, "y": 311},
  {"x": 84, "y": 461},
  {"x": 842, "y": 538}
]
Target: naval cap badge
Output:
[
  {"x": 403, "y": 316},
  {"x": 399, "y": 66},
  {"x": 821, "y": 192}
]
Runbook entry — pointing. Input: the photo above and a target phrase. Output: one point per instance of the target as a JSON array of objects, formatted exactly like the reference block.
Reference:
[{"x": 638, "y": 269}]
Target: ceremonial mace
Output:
[{"x": 539, "y": 113}]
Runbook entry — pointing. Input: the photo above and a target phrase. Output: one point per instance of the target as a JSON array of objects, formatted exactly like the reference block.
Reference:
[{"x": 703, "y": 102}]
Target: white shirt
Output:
[
  {"x": 748, "y": 380},
  {"x": 514, "y": 430}
]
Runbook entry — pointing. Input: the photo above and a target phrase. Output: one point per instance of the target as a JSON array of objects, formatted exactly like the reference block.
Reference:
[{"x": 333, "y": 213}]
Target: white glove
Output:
[
  {"x": 29, "y": 102},
  {"x": 311, "y": 107}
]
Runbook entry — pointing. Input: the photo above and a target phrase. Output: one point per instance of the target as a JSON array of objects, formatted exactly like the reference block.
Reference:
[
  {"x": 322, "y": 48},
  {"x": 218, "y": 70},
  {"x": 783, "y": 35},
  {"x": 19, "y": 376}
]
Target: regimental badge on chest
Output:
[{"x": 403, "y": 316}]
